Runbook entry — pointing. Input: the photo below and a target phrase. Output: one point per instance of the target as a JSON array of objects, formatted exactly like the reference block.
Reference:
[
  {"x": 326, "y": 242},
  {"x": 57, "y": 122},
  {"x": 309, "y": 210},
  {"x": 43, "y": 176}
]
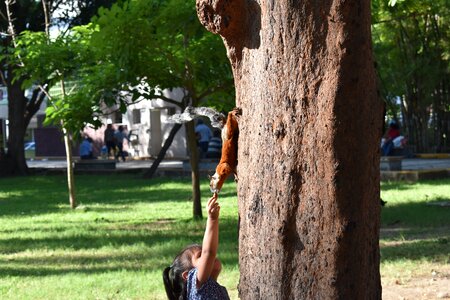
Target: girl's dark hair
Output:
[{"x": 176, "y": 287}]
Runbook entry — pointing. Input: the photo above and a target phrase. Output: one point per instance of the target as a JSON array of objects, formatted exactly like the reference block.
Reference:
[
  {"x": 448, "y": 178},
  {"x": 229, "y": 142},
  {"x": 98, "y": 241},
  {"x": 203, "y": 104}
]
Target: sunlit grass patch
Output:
[{"x": 415, "y": 236}]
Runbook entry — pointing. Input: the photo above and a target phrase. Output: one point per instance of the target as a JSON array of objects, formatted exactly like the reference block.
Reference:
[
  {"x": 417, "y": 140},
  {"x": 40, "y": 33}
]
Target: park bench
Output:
[
  {"x": 391, "y": 163},
  {"x": 95, "y": 164}
]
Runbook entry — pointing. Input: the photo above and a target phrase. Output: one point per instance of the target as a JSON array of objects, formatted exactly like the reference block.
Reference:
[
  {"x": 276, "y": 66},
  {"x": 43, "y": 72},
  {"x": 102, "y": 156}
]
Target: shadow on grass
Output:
[
  {"x": 435, "y": 250},
  {"x": 47, "y": 194},
  {"x": 415, "y": 231},
  {"x": 403, "y": 186},
  {"x": 416, "y": 214},
  {"x": 143, "y": 247}
]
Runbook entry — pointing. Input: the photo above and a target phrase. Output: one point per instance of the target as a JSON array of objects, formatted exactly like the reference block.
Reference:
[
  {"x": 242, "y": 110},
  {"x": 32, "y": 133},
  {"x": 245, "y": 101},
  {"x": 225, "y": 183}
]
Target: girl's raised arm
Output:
[{"x": 210, "y": 242}]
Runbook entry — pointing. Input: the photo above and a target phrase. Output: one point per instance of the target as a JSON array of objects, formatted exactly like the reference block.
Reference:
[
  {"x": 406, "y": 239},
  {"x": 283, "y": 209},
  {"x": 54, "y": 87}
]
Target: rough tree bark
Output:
[
  {"x": 14, "y": 162},
  {"x": 308, "y": 148}
]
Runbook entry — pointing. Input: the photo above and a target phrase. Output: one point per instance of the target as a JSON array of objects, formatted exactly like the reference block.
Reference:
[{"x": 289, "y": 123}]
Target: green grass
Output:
[
  {"x": 128, "y": 229},
  {"x": 114, "y": 247},
  {"x": 415, "y": 236}
]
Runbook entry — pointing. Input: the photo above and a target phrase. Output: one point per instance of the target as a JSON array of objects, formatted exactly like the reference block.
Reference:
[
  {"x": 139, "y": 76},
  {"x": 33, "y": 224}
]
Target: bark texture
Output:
[
  {"x": 14, "y": 162},
  {"x": 309, "y": 146}
]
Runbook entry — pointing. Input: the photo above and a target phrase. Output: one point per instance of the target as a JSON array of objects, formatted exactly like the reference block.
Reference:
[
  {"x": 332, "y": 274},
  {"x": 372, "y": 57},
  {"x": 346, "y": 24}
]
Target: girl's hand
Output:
[{"x": 213, "y": 207}]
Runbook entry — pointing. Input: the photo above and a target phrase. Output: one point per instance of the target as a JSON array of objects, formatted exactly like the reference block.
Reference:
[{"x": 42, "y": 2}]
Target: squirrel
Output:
[
  {"x": 230, "y": 134},
  {"x": 228, "y": 161}
]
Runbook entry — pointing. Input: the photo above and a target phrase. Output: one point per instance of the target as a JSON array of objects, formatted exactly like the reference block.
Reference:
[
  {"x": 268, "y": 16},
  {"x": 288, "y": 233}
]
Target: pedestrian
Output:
[
  {"x": 119, "y": 137},
  {"x": 204, "y": 134},
  {"x": 108, "y": 139},
  {"x": 215, "y": 145},
  {"x": 86, "y": 149},
  {"x": 388, "y": 138}
]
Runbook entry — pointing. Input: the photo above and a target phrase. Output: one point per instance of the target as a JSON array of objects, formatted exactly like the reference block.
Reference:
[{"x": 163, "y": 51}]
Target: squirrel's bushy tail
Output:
[{"x": 190, "y": 113}]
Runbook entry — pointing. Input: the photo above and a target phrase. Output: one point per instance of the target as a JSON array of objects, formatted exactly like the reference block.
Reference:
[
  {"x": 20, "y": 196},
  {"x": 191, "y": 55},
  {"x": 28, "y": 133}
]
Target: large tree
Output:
[{"x": 308, "y": 146}]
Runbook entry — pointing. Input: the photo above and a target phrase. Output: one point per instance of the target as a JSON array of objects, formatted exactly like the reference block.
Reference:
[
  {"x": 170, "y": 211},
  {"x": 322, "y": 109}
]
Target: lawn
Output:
[
  {"x": 415, "y": 239},
  {"x": 116, "y": 244}
]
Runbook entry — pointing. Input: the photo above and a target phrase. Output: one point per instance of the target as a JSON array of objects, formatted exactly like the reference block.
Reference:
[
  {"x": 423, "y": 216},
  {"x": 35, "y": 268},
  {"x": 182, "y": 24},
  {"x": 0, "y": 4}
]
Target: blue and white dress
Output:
[{"x": 210, "y": 290}]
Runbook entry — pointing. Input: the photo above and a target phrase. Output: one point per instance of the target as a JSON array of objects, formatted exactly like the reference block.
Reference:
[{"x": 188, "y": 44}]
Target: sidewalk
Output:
[
  {"x": 407, "y": 164},
  {"x": 131, "y": 164},
  {"x": 172, "y": 168}
]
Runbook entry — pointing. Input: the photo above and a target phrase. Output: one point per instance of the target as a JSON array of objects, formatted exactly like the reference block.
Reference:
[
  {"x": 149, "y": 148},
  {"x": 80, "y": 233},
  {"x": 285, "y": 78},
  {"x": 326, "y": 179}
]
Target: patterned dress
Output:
[{"x": 210, "y": 290}]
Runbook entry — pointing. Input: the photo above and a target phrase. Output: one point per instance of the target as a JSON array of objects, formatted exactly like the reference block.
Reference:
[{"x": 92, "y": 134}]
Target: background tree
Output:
[
  {"x": 15, "y": 17},
  {"x": 412, "y": 48},
  {"x": 59, "y": 63},
  {"x": 161, "y": 45},
  {"x": 308, "y": 146}
]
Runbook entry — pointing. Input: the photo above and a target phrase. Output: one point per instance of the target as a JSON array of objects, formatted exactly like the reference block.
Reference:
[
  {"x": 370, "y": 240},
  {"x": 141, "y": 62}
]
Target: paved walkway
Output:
[
  {"x": 407, "y": 164},
  {"x": 132, "y": 164},
  {"x": 425, "y": 164}
]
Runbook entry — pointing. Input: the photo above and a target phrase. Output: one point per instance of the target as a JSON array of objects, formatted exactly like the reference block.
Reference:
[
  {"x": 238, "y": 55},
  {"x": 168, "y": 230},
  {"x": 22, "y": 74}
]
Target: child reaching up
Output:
[{"x": 194, "y": 271}]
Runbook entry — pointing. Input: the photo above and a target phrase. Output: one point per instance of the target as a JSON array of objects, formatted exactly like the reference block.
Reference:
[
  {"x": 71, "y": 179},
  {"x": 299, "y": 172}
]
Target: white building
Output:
[{"x": 146, "y": 121}]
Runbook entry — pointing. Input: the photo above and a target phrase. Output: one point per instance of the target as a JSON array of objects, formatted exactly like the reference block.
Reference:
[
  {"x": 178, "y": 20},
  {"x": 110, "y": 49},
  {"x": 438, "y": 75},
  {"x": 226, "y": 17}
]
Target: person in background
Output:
[
  {"x": 86, "y": 149},
  {"x": 215, "y": 145},
  {"x": 119, "y": 137},
  {"x": 108, "y": 139},
  {"x": 204, "y": 134},
  {"x": 388, "y": 138}
]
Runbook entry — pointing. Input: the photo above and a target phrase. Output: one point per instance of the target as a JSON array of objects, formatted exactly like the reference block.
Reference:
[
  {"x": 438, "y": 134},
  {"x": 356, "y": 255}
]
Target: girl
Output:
[{"x": 193, "y": 273}]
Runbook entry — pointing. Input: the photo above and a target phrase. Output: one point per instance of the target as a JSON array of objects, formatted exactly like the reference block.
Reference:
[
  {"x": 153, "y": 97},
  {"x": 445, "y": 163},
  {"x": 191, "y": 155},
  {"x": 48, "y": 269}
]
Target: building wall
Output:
[{"x": 146, "y": 120}]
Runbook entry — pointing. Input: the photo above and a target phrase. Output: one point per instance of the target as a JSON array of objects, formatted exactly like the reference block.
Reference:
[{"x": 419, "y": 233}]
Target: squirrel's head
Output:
[{"x": 216, "y": 181}]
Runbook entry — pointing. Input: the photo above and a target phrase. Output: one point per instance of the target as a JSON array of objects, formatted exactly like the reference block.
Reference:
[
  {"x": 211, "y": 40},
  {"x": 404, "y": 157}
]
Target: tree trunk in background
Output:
[
  {"x": 308, "y": 188},
  {"x": 162, "y": 152},
  {"x": 195, "y": 174},
  {"x": 14, "y": 162},
  {"x": 70, "y": 175}
]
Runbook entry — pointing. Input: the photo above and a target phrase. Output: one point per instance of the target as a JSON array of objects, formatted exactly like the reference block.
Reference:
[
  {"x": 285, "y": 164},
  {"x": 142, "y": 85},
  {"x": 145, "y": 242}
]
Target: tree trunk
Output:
[
  {"x": 162, "y": 153},
  {"x": 195, "y": 174},
  {"x": 14, "y": 162},
  {"x": 308, "y": 146},
  {"x": 69, "y": 156},
  {"x": 70, "y": 175}
]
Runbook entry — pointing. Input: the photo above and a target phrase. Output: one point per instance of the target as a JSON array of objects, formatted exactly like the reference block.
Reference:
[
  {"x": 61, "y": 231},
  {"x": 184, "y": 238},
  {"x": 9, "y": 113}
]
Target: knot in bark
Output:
[
  {"x": 237, "y": 21},
  {"x": 220, "y": 16}
]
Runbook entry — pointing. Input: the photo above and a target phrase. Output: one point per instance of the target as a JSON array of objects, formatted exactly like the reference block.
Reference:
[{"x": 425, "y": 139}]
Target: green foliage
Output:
[
  {"x": 60, "y": 62},
  {"x": 158, "y": 43},
  {"x": 163, "y": 44},
  {"x": 412, "y": 44}
]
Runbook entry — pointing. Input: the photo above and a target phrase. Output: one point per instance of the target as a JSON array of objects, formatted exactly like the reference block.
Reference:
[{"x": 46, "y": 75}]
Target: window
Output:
[
  {"x": 136, "y": 116},
  {"x": 118, "y": 117},
  {"x": 171, "y": 111}
]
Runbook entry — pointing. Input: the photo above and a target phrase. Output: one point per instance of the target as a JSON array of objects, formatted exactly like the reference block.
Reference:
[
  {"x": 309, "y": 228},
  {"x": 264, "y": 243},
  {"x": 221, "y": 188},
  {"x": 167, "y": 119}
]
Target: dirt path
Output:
[{"x": 434, "y": 286}]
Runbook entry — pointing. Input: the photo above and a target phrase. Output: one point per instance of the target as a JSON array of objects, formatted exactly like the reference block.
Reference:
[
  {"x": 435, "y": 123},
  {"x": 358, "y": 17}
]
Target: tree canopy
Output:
[{"x": 163, "y": 44}]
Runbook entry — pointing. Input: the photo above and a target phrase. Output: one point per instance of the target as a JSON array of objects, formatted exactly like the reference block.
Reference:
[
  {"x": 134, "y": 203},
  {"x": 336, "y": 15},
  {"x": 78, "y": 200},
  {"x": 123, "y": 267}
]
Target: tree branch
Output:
[
  {"x": 172, "y": 101},
  {"x": 11, "y": 29},
  {"x": 213, "y": 89},
  {"x": 47, "y": 17}
]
